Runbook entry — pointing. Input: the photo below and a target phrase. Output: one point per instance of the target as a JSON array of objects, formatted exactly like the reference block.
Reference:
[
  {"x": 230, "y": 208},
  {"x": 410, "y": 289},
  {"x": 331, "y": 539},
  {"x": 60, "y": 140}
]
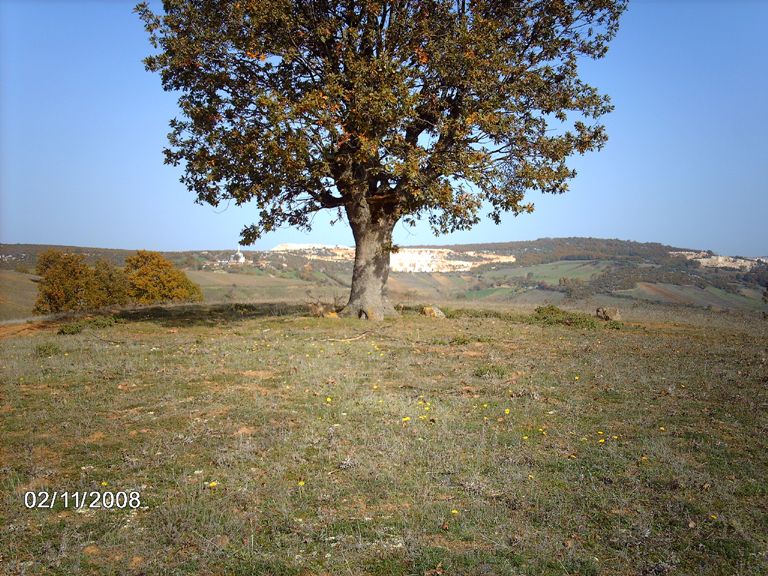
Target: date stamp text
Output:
[{"x": 82, "y": 499}]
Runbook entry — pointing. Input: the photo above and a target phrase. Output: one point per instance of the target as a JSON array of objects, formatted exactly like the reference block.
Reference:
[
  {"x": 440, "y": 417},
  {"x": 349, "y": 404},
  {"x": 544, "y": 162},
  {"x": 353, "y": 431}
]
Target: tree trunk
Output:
[{"x": 373, "y": 243}]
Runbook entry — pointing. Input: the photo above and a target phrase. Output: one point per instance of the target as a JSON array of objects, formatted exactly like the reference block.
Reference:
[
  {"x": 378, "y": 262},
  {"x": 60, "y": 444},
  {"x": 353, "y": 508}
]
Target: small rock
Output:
[
  {"x": 432, "y": 312},
  {"x": 608, "y": 314}
]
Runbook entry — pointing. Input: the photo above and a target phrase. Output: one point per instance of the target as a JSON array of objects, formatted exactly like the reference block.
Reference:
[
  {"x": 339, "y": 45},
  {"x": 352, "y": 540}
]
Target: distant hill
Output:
[
  {"x": 526, "y": 252},
  {"x": 547, "y": 270},
  {"x": 544, "y": 250}
]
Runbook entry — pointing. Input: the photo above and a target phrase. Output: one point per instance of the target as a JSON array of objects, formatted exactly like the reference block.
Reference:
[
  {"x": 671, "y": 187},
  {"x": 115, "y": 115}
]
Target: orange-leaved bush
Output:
[
  {"x": 152, "y": 279},
  {"x": 67, "y": 283}
]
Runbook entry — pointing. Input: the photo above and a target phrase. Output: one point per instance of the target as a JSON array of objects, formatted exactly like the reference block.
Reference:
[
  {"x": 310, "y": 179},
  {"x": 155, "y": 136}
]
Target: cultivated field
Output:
[
  {"x": 265, "y": 442},
  {"x": 17, "y": 294},
  {"x": 692, "y": 295}
]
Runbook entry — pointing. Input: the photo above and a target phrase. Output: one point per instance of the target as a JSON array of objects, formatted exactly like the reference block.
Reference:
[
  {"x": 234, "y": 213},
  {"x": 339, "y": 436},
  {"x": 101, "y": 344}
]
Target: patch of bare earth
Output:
[{"x": 11, "y": 330}]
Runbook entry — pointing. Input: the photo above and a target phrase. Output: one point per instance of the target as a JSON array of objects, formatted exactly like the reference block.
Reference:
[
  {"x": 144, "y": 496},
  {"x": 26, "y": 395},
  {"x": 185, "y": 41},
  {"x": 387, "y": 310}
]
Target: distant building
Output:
[
  {"x": 289, "y": 247},
  {"x": 237, "y": 258},
  {"x": 404, "y": 260},
  {"x": 426, "y": 260}
]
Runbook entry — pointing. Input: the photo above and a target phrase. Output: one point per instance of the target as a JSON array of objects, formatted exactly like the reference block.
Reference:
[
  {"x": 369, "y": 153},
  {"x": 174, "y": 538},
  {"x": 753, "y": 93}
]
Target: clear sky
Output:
[{"x": 83, "y": 125}]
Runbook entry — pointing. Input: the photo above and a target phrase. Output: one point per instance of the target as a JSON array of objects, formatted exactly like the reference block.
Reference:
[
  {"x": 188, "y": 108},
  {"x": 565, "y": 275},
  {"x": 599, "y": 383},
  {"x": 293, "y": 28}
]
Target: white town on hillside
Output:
[
  {"x": 405, "y": 259},
  {"x": 417, "y": 259}
]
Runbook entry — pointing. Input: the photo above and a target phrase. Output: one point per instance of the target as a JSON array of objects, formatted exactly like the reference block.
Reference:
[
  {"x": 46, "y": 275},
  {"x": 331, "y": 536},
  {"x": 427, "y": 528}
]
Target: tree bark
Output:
[{"x": 373, "y": 244}]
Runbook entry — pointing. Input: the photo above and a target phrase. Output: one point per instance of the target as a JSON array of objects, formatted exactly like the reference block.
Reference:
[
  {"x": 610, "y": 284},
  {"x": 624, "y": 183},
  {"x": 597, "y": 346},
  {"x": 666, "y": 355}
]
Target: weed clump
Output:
[
  {"x": 71, "y": 328},
  {"x": 490, "y": 371},
  {"x": 552, "y": 315},
  {"x": 80, "y": 325},
  {"x": 46, "y": 350}
]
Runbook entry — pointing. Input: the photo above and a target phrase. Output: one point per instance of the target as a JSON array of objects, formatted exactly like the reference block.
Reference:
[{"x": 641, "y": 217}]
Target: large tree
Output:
[{"x": 379, "y": 110}]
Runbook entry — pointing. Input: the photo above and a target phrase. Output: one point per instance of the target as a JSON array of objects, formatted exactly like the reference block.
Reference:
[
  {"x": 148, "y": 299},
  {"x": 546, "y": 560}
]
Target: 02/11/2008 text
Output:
[{"x": 82, "y": 499}]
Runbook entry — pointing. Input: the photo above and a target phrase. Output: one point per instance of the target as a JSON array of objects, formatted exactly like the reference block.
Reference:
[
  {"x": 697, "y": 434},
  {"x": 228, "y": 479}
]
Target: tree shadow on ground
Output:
[{"x": 186, "y": 315}]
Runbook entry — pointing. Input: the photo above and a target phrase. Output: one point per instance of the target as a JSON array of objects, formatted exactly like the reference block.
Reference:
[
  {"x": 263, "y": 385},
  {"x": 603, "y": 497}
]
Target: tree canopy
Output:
[
  {"x": 380, "y": 110},
  {"x": 68, "y": 283},
  {"x": 152, "y": 278}
]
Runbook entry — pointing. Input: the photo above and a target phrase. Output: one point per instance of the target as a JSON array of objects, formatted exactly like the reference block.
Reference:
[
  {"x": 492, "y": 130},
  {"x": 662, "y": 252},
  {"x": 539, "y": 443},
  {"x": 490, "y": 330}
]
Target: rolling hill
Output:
[{"x": 577, "y": 271}]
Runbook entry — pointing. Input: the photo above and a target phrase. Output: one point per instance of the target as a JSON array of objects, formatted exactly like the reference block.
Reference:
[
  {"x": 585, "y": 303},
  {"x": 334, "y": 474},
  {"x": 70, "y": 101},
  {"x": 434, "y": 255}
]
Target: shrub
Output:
[
  {"x": 551, "y": 315},
  {"x": 65, "y": 283},
  {"x": 46, "y": 350},
  {"x": 109, "y": 286},
  {"x": 490, "y": 371},
  {"x": 153, "y": 279},
  {"x": 79, "y": 326},
  {"x": 68, "y": 284},
  {"x": 71, "y": 328},
  {"x": 102, "y": 322}
]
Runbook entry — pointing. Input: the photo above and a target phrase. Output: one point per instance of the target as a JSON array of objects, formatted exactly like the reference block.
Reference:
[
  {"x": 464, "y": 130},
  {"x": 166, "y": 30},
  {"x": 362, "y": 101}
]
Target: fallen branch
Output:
[{"x": 358, "y": 337}]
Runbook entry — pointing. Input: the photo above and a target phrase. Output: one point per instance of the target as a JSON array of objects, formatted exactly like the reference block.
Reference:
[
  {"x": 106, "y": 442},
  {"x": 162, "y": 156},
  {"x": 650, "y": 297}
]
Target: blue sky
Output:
[{"x": 82, "y": 127}]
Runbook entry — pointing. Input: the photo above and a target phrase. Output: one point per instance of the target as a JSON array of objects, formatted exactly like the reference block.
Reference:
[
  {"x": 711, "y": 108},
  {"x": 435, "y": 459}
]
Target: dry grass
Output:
[{"x": 472, "y": 445}]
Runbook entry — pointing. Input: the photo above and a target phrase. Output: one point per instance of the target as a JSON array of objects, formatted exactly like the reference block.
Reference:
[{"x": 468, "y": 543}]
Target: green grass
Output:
[
  {"x": 497, "y": 293},
  {"x": 552, "y": 272},
  {"x": 486, "y": 443}
]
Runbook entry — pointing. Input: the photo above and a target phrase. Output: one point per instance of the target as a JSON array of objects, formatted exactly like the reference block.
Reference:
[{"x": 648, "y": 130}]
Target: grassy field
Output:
[
  {"x": 265, "y": 442},
  {"x": 692, "y": 295},
  {"x": 552, "y": 272},
  {"x": 17, "y": 294},
  {"x": 224, "y": 287}
]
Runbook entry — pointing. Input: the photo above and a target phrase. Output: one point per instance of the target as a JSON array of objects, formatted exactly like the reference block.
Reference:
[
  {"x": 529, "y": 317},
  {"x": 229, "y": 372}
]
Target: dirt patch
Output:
[
  {"x": 260, "y": 374},
  {"x": 96, "y": 437},
  {"x": 472, "y": 353},
  {"x": 11, "y": 330}
]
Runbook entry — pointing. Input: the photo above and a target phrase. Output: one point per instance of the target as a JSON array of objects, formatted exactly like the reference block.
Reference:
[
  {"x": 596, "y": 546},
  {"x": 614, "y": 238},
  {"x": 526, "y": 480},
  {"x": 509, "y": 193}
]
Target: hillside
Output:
[{"x": 580, "y": 272}]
